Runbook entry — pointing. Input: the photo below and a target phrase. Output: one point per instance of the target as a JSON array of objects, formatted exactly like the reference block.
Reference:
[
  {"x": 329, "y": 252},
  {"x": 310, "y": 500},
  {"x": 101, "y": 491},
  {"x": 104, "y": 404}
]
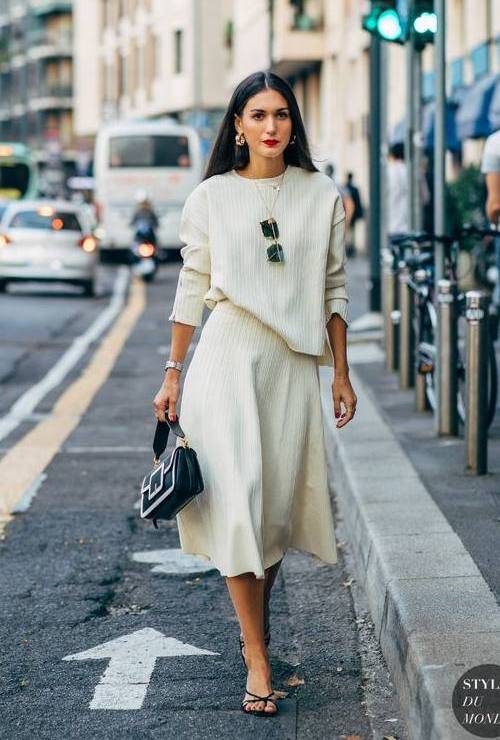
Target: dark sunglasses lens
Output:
[
  {"x": 270, "y": 228},
  {"x": 275, "y": 253}
]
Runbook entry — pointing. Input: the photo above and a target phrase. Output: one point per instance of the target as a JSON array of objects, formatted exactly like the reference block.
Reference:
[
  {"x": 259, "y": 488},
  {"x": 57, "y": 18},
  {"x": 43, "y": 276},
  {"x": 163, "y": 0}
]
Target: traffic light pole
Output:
[
  {"x": 440, "y": 136},
  {"x": 375, "y": 171},
  {"x": 446, "y": 420},
  {"x": 410, "y": 85},
  {"x": 417, "y": 141}
]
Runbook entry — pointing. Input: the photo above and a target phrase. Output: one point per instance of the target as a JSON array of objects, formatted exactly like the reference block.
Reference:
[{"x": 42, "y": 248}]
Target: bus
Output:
[
  {"x": 159, "y": 157},
  {"x": 18, "y": 173}
]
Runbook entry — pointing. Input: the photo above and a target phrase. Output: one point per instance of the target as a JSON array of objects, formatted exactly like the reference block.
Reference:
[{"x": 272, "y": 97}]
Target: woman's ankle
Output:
[{"x": 256, "y": 654}]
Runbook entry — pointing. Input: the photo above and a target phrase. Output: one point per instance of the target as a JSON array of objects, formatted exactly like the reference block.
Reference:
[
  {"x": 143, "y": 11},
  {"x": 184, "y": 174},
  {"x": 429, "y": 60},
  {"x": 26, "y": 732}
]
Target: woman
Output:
[{"x": 264, "y": 249}]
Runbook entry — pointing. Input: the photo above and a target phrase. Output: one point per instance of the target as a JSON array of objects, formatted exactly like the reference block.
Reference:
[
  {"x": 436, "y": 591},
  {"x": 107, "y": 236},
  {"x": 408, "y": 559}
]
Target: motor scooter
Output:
[{"x": 143, "y": 256}]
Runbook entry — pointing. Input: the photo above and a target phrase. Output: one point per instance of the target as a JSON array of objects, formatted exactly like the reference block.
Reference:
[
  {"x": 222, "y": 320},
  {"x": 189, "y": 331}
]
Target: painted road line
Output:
[
  {"x": 124, "y": 683},
  {"x": 23, "y": 463},
  {"x": 23, "y": 408},
  {"x": 173, "y": 562}
]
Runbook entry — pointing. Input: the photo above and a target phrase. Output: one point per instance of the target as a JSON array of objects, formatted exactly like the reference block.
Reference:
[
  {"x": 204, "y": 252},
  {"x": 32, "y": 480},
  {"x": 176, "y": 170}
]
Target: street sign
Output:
[{"x": 132, "y": 659}]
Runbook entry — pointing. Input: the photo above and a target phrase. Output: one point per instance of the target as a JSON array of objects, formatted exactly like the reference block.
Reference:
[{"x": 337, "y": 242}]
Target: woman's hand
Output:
[
  {"x": 167, "y": 396},
  {"x": 343, "y": 392}
]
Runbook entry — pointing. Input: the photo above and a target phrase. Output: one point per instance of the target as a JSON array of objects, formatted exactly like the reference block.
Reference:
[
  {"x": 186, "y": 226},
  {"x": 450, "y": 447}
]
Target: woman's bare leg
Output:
[
  {"x": 270, "y": 577},
  {"x": 271, "y": 574},
  {"x": 247, "y": 595}
]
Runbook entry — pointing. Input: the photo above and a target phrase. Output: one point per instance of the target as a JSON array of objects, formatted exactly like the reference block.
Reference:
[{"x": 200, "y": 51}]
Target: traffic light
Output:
[
  {"x": 424, "y": 23},
  {"x": 383, "y": 20},
  {"x": 400, "y": 21}
]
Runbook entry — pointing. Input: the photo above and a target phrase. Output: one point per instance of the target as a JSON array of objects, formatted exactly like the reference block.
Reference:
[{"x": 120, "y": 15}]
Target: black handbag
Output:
[{"x": 171, "y": 484}]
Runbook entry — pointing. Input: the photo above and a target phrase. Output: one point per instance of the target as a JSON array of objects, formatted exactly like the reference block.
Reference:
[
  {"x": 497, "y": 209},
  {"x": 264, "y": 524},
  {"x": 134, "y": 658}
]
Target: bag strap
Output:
[{"x": 161, "y": 434}]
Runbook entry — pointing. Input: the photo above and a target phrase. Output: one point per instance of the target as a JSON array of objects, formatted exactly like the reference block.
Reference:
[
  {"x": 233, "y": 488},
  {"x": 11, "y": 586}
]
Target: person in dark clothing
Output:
[
  {"x": 358, "y": 213},
  {"x": 144, "y": 211}
]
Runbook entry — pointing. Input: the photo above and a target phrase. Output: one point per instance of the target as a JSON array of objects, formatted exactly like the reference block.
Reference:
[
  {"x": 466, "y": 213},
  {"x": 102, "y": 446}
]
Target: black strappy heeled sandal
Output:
[
  {"x": 259, "y": 712},
  {"x": 267, "y": 640}
]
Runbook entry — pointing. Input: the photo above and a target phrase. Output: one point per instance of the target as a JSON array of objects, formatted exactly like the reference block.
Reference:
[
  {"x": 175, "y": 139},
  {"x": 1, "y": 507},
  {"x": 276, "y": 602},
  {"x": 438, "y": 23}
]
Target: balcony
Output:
[
  {"x": 45, "y": 43},
  {"x": 44, "y": 7},
  {"x": 298, "y": 38},
  {"x": 13, "y": 108},
  {"x": 50, "y": 97}
]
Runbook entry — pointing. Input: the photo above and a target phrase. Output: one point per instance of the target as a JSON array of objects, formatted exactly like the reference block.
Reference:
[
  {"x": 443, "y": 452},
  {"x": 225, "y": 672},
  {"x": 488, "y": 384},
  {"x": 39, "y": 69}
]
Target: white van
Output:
[{"x": 161, "y": 157}]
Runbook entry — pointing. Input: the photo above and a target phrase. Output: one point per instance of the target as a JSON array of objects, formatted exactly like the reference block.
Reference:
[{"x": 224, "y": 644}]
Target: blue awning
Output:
[
  {"x": 428, "y": 119},
  {"x": 494, "y": 114},
  {"x": 473, "y": 115},
  {"x": 428, "y": 126}
]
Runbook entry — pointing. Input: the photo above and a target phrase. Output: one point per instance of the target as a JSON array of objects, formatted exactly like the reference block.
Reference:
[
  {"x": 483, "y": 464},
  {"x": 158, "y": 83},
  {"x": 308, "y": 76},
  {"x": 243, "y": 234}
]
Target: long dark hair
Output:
[{"x": 226, "y": 154}]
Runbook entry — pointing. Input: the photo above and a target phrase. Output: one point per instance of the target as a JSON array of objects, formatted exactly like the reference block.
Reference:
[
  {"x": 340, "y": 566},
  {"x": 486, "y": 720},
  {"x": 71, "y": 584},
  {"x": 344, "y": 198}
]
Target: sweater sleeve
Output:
[
  {"x": 336, "y": 297},
  {"x": 194, "y": 275}
]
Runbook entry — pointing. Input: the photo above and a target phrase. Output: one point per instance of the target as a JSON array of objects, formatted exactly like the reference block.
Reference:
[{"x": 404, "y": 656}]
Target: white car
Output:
[{"x": 46, "y": 240}]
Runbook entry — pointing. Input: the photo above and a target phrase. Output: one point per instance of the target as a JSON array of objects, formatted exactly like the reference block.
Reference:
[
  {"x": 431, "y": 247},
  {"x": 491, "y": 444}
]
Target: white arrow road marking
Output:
[
  {"x": 124, "y": 683},
  {"x": 173, "y": 561}
]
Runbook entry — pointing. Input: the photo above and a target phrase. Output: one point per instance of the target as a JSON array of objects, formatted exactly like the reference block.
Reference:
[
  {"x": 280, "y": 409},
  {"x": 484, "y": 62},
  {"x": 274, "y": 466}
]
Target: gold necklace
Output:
[{"x": 270, "y": 227}]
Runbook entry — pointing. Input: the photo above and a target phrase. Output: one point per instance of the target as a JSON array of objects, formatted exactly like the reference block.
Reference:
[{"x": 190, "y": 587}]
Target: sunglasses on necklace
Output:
[{"x": 270, "y": 230}]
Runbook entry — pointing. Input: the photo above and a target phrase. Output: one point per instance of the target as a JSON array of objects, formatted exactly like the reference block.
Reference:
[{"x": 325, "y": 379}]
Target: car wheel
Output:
[
  {"x": 3, "y": 286},
  {"x": 89, "y": 288}
]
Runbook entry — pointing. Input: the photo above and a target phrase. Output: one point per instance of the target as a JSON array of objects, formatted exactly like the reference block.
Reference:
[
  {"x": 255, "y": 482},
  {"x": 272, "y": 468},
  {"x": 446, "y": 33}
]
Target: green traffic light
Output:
[
  {"x": 389, "y": 25},
  {"x": 425, "y": 23}
]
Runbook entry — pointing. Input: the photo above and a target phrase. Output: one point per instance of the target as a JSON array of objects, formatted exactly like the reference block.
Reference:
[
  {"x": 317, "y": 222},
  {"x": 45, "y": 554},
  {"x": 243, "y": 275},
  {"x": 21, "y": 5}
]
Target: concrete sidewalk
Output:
[{"x": 423, "y": 534}]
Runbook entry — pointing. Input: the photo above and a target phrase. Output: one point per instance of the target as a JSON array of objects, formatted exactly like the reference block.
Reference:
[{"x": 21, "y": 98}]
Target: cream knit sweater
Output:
[{"x": 224, "y": 256}]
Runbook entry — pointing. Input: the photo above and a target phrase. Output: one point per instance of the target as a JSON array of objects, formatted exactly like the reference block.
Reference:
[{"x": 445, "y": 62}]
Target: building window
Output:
[
  {"x": 110, "y": 89},
  {"x": 457, "y": 73},
  {"x": 178, "y": 51},
  {"x": 121, "y": 75},
  {"x": 140, "y": 67},
  {"x": 428, "y": 85},
  {"x": 157, "y": 56},
  {"x": 106, "y": 11},
  {"x": 480, "y": 59},
  {"x": 133, "y": 59}
]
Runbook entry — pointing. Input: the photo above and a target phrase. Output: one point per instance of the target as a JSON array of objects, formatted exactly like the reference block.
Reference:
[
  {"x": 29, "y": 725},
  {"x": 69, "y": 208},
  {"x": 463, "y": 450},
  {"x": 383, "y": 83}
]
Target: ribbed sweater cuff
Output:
[{"x": 337, "y": 305}]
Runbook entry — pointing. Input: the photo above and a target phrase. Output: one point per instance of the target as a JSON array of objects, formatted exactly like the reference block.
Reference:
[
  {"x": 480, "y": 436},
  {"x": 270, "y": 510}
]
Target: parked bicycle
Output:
[{"x": 416, "y": 251}]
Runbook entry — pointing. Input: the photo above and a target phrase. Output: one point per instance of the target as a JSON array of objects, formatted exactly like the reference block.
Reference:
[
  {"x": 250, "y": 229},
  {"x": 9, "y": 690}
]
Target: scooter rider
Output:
[{"x": 144, "y": 211}]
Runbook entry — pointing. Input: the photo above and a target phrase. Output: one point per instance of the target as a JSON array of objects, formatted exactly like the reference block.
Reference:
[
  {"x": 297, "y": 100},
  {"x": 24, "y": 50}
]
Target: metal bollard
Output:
[
  {"x": 406, "y": 332},
  {"x": 476, "y": 429},
  {"x": 390, "y": 298},
  {"x": 395, "y": 320},
  {"x": 446, "y": 358}
]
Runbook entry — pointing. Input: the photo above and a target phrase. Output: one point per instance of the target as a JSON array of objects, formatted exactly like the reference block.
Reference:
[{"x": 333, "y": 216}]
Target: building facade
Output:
[
  {"x": 137, "y": 58},
  {"x": 36, "y": 78},
  {"x": 151, "y": 58}
]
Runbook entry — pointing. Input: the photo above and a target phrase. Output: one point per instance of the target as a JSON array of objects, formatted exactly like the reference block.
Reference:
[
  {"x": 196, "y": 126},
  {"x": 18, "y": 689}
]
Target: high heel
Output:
[{"x": 259, "y": 712}]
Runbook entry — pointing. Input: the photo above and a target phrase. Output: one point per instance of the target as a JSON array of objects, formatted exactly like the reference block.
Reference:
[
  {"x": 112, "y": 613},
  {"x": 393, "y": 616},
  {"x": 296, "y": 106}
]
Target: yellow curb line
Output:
[{"x": 21, "y": 465}]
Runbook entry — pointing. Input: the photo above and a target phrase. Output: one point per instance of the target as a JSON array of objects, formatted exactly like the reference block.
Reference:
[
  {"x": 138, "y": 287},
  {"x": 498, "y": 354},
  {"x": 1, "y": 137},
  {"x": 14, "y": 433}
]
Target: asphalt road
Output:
[{"x": 79, "y": 569}]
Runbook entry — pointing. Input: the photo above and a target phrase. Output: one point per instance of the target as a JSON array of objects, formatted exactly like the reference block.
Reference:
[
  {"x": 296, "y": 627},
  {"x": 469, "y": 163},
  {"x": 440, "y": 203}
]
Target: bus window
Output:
[
  {"x": 14, "y": 180},
  {"x": 149, "y": 151}
]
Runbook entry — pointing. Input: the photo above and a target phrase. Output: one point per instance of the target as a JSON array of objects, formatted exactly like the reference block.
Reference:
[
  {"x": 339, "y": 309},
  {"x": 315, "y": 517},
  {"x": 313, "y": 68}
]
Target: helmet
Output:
[{"x": 141, "y": 196}]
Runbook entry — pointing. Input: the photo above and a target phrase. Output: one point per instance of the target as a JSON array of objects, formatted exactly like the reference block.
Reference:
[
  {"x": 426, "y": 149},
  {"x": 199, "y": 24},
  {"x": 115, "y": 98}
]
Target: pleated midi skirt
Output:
[{"x": 251, "y": 409}]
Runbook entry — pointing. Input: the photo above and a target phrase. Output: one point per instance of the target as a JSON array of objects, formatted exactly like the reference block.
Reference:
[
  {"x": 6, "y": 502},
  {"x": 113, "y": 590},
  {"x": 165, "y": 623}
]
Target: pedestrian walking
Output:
[
  {"x": 357, "y": 214},
  {"x": 264, "y": 250},
  {"x": 346, "y": 198},
  {"x": 397, "y": 191}
]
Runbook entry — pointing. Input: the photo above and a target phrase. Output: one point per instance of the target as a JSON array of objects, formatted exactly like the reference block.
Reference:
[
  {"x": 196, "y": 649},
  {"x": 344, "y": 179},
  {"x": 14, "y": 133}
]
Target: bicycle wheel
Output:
[{"x": 426, "y": 351}]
